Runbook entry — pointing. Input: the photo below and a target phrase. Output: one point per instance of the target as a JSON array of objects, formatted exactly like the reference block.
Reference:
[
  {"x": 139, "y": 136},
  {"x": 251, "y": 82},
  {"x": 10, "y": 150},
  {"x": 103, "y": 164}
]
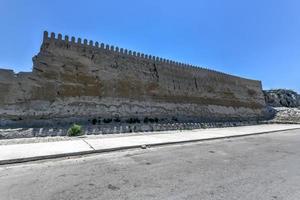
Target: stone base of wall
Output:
[
  {"x": 117, "y": 129},
  {"x": 99, "y": 111}
]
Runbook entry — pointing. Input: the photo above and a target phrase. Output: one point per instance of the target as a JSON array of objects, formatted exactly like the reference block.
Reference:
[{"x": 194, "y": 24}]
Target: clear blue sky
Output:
[{"x": 258, "y": 39}]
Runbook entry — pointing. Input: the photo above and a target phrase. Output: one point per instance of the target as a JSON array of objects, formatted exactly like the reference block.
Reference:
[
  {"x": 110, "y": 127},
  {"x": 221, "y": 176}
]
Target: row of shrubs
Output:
[
  {"x": 76, "y": 130},
  {"x": 130, "y": 120}
]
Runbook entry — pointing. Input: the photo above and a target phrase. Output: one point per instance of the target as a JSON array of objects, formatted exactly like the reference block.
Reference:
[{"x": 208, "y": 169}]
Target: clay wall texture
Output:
[{"x": 81, "y": 80}]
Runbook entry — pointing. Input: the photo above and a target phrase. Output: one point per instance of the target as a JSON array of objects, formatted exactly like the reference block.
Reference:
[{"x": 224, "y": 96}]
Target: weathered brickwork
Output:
[{"x": 81, "y": 80}]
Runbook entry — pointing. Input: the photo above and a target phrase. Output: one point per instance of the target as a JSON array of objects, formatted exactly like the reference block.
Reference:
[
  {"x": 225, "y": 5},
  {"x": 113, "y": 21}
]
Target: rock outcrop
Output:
[{"x": 282, "y": 98}]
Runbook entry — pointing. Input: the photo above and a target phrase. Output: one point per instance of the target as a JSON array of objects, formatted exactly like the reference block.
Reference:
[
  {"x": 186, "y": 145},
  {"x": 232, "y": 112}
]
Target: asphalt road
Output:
[{"x": 257, "y": 167}]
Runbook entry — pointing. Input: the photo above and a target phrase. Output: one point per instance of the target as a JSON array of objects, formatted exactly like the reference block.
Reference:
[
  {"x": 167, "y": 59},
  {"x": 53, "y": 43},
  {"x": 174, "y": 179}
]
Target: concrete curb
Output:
[{"x": 46, "y": 157}]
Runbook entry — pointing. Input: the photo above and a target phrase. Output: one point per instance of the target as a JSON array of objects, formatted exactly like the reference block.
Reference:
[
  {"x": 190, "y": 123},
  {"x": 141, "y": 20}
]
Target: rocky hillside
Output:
[
  {"x": 284, "y": 105},
  {"x": 282, "y": 98}
]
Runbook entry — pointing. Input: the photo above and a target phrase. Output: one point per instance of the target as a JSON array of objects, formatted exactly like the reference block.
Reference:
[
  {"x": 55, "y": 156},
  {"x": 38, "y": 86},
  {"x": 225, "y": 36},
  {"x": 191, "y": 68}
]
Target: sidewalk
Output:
[{"x": 14, "y": 153}]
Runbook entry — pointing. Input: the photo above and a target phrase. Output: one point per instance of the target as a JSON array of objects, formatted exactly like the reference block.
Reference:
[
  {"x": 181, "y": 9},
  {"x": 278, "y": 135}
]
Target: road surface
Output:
[{"x": 256, "y": 167}]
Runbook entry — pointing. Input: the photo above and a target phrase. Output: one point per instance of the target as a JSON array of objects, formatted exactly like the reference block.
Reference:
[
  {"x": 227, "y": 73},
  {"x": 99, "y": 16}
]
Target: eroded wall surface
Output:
[{"x": 79, "y": 80}]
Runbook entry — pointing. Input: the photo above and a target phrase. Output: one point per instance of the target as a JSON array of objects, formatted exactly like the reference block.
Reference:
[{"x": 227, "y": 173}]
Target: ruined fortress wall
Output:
[{"x": 75, "y": 79}]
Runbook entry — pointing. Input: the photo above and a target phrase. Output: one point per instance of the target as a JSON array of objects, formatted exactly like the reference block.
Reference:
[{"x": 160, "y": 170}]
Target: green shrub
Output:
[
  {"x": 75, "y": 130},
  {"x": 133, "y": 120},
  {"x": 117, "y": 119},
  {"x": 107, "y": 120},
  {"x": 151, "y": 120},
  {"x": 94, "y": 121},
  {"x": 174, "y": 119},
  {"x": 146, "y": 120}
]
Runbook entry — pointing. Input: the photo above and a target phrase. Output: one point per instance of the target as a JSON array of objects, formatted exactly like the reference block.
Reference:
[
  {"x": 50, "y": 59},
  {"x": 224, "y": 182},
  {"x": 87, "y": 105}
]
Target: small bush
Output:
[
  {"x": 133, "y": 120},
  {"x": 174, "y": 119},
  {"x": 151, "y": 120},
  {"x": 107, "y": 120},
  {"x": 117, "y": 119},
  {"x": 94, "y": 121},
  {"x": 75, "y": 130},
  {"x": 146, "y": 120},
  {"x": 137, "y": 120}
]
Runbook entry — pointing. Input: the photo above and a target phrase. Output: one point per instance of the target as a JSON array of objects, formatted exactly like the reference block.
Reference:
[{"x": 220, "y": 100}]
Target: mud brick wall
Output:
[{"x": 79, "y": 80}]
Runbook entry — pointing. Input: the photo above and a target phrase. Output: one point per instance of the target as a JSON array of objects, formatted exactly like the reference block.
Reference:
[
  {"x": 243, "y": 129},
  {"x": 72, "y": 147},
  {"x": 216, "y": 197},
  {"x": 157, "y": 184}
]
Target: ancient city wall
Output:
[{"x": 79, "y": 80}]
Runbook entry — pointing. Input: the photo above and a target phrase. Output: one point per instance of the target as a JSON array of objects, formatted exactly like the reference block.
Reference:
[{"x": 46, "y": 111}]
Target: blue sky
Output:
[{"x": 257, "y": 39}]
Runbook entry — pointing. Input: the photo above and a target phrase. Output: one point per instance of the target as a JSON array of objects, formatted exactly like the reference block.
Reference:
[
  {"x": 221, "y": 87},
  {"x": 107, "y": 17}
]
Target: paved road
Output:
[{"x": 257, "y": 167}]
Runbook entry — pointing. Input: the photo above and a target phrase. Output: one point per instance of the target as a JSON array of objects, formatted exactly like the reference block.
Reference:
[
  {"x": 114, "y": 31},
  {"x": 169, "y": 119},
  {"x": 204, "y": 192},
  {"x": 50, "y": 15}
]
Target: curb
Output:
[{"x": 46, "y": 157}]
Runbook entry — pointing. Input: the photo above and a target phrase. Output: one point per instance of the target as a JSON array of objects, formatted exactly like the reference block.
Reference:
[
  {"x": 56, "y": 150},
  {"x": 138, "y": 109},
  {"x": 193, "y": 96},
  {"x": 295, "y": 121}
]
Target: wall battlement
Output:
[{"x": 123, "y": 51}]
